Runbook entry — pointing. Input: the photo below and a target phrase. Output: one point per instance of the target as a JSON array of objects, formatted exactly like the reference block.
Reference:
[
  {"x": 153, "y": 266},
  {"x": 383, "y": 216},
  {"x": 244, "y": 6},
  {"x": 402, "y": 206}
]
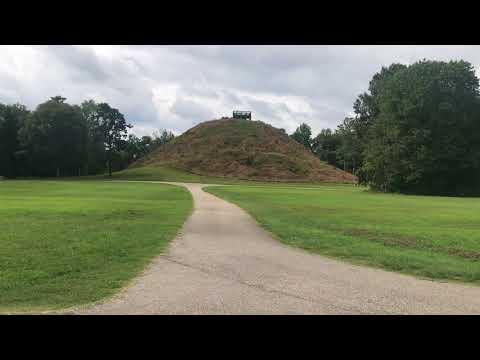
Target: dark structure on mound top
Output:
[{"x": 246, "y": 115}]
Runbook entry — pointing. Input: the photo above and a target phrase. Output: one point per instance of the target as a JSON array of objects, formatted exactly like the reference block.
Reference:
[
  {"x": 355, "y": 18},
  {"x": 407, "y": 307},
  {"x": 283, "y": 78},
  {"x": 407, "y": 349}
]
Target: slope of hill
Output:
[{"x": 243, "y": 149}]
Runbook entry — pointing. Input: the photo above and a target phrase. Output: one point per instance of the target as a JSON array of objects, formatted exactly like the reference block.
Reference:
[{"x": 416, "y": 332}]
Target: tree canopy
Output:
[
  {"x": 55, "y": 137},
  {"x": 416, "y": 130},
  {"x": 424, "y": 138},
  {"x": 60, "y": 139},
  {"x": 303, "y": 135},
  {"x": 12, "y": 119}
]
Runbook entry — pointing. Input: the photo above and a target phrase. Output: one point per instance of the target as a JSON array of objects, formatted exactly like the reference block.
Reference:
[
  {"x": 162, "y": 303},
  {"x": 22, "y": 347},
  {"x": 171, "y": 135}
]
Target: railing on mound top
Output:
[{"x": 247, "y": 115}]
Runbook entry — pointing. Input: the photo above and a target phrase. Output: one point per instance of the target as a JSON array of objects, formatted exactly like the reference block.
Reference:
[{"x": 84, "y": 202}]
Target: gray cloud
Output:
[
  {"x": 81, "y": 64},
  {"x": 192, "y": 111},
  {"x": 175, "y": 87}
]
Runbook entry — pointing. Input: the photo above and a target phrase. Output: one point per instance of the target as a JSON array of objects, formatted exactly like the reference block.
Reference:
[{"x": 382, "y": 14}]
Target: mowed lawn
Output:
[
  {"x": 70, "y": 243},
  {"x": 433, "y": 237}
]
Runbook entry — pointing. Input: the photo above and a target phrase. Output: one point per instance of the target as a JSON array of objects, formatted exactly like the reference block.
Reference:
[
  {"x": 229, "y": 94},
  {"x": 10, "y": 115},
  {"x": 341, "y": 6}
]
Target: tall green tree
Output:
[
  {"x": 355, "y": 131},
  {"x": 303, "y": 135},
  {"x": 326, "y": 145},
  {"x": 96, "y": 156},
  {"x": 425, "y": 134},
  {"x": 12, "y": 119},
  {"x": 55, "y": 139},
  {"x": 114, "y": 129},
  {"x": 352, "y": 138}
]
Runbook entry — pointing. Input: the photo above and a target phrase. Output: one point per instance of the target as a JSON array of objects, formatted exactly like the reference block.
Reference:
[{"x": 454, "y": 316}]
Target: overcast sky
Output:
[{"x": 176, "y": 87}]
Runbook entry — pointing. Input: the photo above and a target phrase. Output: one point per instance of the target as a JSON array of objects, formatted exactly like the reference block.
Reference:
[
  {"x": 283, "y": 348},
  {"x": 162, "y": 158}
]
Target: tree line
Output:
[
  {"x": 59, "y": 139},
  {"x": 415, "y": 131}
]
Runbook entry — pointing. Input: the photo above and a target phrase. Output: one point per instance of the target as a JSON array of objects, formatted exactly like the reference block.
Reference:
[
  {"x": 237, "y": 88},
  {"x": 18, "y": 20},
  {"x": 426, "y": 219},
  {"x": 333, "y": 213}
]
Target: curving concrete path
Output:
[{"x": 224, "y": 263}]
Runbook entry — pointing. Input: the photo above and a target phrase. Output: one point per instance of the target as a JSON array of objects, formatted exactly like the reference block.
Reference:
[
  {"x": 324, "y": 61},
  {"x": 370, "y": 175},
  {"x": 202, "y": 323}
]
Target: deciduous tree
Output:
[
  {"x": 114, "y": 128},
  {"x": 303, "y": 135}
]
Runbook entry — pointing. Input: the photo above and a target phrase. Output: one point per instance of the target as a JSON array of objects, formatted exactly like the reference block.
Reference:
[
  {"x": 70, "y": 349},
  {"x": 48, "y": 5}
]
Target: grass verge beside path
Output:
[
  {"x": 65, "y": 243},
  {"x": 432, "y": 237}
]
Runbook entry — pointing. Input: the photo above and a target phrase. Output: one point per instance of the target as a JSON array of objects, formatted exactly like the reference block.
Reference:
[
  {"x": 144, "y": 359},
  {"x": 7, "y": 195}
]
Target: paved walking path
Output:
[{"x": 224, "y": 263}]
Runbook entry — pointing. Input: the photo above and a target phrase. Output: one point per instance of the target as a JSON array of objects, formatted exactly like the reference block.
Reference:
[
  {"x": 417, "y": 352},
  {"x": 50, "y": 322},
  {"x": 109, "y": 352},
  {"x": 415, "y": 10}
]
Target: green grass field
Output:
[
  {"x": 69, "y": 243},
  {"x": 432, "y": 237}
]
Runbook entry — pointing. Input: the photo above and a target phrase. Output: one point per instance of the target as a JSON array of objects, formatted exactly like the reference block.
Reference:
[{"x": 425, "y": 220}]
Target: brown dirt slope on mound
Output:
[{"x": 243, "y": 149}]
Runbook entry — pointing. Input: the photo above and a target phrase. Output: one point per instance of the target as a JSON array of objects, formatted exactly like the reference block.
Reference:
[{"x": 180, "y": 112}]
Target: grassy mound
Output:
[{"x": 241, "y": 149}]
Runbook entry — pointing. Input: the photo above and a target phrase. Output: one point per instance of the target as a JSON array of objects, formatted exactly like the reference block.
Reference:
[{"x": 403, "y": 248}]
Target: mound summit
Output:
[{"x": 243, "y": 149}]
